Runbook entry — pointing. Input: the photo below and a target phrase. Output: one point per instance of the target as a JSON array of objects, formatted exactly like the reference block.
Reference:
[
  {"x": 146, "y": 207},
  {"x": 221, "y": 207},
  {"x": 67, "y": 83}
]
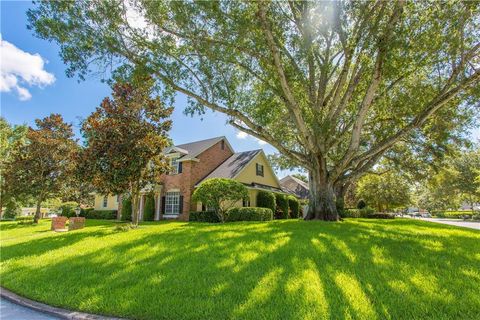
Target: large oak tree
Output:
[{"x": 331, "y": 85}]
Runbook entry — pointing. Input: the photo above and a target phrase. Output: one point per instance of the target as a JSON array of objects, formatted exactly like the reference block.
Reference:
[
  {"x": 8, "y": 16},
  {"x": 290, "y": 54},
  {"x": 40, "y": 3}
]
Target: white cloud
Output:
[
  {"x": 260, "y": 142},
  {"x": 242, "y": 135},
  {"x": 19, "y": 68}
]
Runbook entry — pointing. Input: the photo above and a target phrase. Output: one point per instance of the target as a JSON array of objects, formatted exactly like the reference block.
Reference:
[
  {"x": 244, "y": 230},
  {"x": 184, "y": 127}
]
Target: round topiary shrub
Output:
[
  {"x": 281, "y": 211},
  {"x": 266, "y": 199},
  {"x": 294, "y": 206}
]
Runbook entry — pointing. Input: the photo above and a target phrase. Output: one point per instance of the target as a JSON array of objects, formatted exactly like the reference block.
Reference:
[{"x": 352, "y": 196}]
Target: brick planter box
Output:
[
  {"x": 76, "y": 223},
  {"x": 58, "y": 223}
]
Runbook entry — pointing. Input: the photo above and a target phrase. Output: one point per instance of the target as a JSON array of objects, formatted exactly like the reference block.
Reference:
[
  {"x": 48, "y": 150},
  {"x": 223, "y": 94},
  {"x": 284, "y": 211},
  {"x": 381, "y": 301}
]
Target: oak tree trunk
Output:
[
  {"x": 135, "y": 207},
  {"x": 322, "y": 204}
]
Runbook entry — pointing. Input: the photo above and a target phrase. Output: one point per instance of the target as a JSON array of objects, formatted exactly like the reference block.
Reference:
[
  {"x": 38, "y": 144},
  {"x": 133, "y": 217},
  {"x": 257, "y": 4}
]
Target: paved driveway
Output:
[
  {"x": 455, "y": 222},
  {"x": 12, "y": 311}
]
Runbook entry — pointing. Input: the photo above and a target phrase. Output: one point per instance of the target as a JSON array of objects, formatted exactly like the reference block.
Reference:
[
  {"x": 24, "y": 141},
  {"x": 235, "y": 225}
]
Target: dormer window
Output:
[
  {"x": 175, "y": 165},
  {"x": 259, "y": 169}
]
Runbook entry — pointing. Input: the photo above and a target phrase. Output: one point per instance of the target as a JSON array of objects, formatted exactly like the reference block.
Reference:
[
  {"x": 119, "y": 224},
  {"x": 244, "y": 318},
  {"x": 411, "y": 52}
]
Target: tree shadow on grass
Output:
[{"x": 278, "y": 270}]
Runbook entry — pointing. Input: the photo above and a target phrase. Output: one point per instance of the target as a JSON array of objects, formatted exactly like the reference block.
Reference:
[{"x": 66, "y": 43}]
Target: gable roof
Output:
[
  {"x": 300, "y": 182},
  {"x": 231, "y": 167},
  {"x": 295, "y": 186},
  {"x": 193, "y": 149}
]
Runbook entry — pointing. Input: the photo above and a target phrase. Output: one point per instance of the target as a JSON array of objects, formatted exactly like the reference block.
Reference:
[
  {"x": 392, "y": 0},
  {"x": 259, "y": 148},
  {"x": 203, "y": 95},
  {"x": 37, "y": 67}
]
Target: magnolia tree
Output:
[
  {"x": 125, "y": 137},
  {"x": 347, "y": 80},
  {"x": 44, "y": 165},
  {"x": 220, "y": 194}
]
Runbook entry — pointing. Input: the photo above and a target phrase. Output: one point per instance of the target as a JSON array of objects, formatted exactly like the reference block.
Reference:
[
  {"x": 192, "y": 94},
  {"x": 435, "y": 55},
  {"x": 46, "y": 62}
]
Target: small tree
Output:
[
  {"x": 125, "y": 137},
  {"x": 220, "y": 194},
  {"x": 266, "y": 199},
  {"x": 43, "y": 166},
  {"x": 361, "y": 204}
]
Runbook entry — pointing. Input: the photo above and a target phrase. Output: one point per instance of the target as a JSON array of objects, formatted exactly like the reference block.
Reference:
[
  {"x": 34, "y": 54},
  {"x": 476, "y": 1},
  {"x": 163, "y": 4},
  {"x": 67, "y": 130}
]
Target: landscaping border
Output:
[{"x": 54, "y": 311}]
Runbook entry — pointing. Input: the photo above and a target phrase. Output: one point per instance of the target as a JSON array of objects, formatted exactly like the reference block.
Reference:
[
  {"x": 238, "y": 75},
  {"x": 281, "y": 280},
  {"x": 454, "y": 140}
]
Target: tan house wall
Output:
[
  {"x": 249, "y": 174},
  {"x": 112, "y": 203}
]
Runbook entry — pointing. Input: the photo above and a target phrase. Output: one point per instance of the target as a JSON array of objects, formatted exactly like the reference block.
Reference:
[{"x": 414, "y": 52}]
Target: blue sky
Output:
[
  {"x": 47, "y": 90},
  {"x": 75, "y": 100}
]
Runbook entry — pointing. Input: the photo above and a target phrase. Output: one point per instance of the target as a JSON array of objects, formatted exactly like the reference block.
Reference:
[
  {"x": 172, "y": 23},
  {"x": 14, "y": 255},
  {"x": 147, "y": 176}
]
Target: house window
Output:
[
  {"x": 223, "y": 144},
  {"x": 259, "y": 169},
  {"x": 174, "y": 163},
  {"x": 172, "y": 203},
  {"x": 246, "y": 202},
  {"x": 105, "y": 201}
]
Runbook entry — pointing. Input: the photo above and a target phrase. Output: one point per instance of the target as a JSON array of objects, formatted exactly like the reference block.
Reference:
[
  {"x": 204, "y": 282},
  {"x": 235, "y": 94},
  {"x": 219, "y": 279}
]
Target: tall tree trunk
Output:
[
  {"x": 322, "y": 204},
  {"x": 38, "y": 212},
  {"x": 135, "y": 207}
]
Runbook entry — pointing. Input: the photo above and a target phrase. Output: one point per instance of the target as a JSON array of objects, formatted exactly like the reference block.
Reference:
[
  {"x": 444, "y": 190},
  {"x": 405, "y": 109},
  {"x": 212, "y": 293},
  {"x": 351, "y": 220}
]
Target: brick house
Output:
[{"x": 194, "y": 162}]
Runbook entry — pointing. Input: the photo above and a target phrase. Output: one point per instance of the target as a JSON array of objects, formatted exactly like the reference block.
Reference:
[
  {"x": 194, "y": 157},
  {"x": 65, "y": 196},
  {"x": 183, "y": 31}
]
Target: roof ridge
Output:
[{"x": 213, "y": 138}]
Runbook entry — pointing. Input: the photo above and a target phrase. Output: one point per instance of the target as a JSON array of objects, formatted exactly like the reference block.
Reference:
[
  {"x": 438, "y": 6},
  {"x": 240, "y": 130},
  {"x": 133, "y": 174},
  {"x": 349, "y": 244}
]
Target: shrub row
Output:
[
  {"x": 234, "y": 214},
  {"x": 126, "y": 209},
  {"x": 204, "y": 216},
  {"x": 357, "y": 213},
  {"x": 99, "y": 214},
  {"x": 380, "y": 216},
  {"x": 249, "y": 214},
  {"x": 282, "y": 205},
  {"x": 24, "y": 219}
]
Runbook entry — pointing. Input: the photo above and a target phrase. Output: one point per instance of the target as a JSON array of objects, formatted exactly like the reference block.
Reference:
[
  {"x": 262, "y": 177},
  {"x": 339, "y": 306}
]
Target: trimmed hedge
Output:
[
  {"x": 281, "y": 211},
  {"x": 294, "y": 206},
  {"x": 203, "y": 216},
  {"x": 24, "y": 219},
  {"x": 149, "y": 209},
  {"x": 100, "y": 214},
  {"x": 266, "y": 199},
  {"x": 380, "y": 216},
  {"x": 126, "y": 209},
  {"x": 249, "y": 214},
  {"x": 357, "y": 213}
]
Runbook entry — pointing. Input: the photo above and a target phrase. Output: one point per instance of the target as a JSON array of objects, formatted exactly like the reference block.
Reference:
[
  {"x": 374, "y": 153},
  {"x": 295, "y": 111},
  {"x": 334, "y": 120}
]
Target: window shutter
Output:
[
  {"x": 162, "y": 210},
  {"x": 180, "y": 205},
  {"x": 180, "y": 167}
]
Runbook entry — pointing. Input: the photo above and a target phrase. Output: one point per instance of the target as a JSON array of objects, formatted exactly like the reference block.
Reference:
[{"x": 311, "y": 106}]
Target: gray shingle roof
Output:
[
  {"x": 233, "y": 165},
  {"x": 195, "y": 148},
  {"x": 295, "y": 186}
]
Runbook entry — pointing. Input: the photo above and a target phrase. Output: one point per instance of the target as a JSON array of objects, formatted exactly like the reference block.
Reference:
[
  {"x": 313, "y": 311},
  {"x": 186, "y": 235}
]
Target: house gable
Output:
[{"x": 248, "y": 174}]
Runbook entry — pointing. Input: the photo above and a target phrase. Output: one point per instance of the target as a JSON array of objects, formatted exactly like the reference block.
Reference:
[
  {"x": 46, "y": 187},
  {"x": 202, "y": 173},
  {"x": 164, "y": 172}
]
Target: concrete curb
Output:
[{"x": 54, "y": 311}]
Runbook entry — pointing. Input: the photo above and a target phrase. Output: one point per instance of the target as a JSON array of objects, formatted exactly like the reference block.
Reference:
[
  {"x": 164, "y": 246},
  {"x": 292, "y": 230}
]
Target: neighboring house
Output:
[
  {"x": 195, "y": 162},
  {"x": 295, "y": 186}
]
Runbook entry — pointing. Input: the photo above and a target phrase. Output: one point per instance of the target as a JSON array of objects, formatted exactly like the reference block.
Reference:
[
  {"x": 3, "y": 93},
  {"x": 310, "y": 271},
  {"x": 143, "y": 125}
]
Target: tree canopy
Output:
[{"x": 347, "y": 80}]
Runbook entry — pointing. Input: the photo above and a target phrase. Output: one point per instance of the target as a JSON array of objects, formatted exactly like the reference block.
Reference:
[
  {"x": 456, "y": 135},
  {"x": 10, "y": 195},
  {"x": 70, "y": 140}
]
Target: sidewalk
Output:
[{"x": 455, "y": 222}]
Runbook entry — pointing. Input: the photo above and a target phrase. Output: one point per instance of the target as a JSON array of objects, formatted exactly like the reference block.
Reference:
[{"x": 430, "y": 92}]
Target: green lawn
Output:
[{"x": 359, "y": 269}]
